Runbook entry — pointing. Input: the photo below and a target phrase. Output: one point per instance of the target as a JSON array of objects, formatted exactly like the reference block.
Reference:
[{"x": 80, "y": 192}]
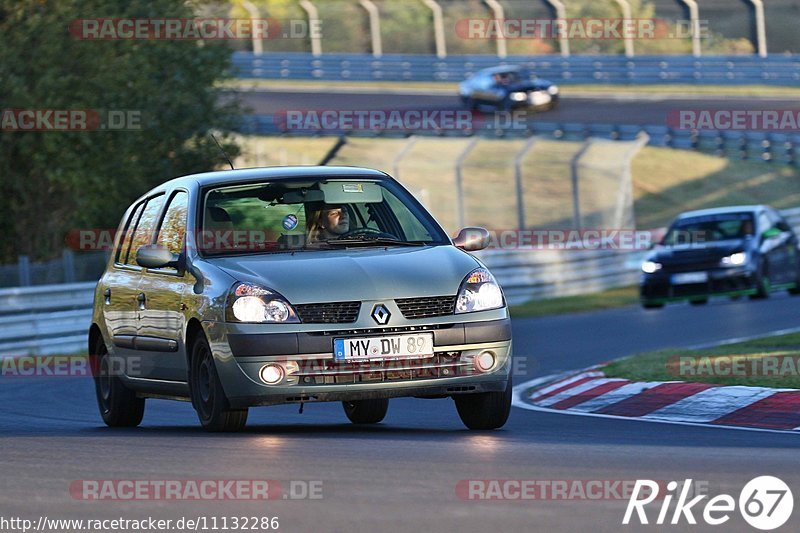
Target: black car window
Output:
[
  {"x": 121, "y": 255},
  {"x": 172, "y": 230},
  {"x": 143, "y": 235},
  {"x": 710, "y": 228}
]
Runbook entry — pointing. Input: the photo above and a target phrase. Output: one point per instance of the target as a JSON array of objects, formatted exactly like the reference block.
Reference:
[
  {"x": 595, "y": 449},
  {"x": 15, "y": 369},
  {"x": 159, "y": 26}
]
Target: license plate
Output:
[
  {"x": 689, "y": 277},
  {"x": 376, "y": 348}
]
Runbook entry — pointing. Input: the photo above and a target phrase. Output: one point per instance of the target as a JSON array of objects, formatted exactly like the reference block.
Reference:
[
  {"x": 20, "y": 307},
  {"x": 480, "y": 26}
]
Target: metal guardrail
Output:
[
  {"x": 52, "y": 319},
  {"x": 671, "y": 69}
]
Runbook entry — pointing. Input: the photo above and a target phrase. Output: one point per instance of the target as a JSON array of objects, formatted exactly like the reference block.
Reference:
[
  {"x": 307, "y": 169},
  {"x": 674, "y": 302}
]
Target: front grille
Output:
[
  {"x": 328, "y": 313},
  {"x": 427, "y": 307},
  {"x": 328, "y": 372}
]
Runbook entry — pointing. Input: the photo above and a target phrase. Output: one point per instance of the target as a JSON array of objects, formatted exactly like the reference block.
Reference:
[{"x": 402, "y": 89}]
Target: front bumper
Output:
[
  {"x": 312, "y": 375},
  {"x": 659, "y": 287}
]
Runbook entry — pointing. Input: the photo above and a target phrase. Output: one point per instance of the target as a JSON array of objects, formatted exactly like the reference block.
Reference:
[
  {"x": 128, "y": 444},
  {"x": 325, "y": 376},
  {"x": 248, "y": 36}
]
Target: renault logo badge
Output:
[{"x": 380, "y": 314}]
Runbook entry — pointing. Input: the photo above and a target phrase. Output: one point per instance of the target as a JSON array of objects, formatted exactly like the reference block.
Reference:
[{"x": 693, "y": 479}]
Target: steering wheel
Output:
[{"x": 363, "y": 232}]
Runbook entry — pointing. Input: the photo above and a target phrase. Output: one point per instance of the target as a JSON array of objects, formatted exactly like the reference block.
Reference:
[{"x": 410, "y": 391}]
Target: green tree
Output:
[{"x": 55, "y": 181}]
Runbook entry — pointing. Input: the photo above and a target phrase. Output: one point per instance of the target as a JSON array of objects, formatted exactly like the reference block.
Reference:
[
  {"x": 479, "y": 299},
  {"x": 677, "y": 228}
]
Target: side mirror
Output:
[
  {"x": 472, "y": 239},
  {"x": 771, "y": 233},
  {"x": 156, "y": 256}
]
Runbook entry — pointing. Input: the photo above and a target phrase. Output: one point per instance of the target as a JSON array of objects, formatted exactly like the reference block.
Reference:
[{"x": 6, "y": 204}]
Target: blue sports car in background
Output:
[{"x": 507, "y": 88}]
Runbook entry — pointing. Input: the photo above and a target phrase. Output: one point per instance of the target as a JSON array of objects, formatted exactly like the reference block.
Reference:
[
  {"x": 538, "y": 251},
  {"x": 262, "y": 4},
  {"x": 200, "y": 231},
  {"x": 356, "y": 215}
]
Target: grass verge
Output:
[
  {"x": 763, "y": 362},
  {"x": 576, "y": 304}
]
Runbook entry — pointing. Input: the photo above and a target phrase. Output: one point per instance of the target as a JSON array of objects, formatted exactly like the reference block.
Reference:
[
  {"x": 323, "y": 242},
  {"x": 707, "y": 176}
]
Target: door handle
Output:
[
  {"x": 142, "y": 299},
  {"x": 107, "y": 296}
]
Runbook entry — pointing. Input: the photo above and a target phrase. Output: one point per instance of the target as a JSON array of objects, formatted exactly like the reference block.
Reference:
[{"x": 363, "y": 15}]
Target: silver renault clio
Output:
[{"x": 265, "y": 286}]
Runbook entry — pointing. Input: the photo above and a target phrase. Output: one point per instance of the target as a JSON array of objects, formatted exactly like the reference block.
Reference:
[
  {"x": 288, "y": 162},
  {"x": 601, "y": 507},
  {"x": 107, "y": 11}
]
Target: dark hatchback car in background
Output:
[
  {"x": 506, "y": 88},
  {"x": 732, "y": 251}
]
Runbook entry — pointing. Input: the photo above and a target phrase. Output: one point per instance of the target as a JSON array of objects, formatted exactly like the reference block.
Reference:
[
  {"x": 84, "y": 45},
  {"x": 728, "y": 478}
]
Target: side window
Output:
[
  {"x": 125, "y": 242},
  {"x": 764, "y": 223},
  {"x": 143, "y": 235},
  {"x": 172, "y": 230},
  {"x": 778, "y": 221},
  {"x": 412, "y": 227}
]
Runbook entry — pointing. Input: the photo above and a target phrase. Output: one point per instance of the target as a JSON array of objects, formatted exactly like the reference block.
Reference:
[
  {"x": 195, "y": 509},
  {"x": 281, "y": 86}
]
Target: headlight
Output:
[
  {"x": 736, "y": 259},
  {"x": 553, "y": 90},
  {"x": 479, "y": 292},
  {"x": 648, "y": 267},
  {"x": 519, "y": 97},
  {"x": 251, "y": 303}
]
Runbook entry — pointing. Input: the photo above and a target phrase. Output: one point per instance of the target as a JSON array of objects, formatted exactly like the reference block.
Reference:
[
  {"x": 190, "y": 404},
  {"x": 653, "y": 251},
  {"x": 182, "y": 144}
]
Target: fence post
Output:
[
  {"x": 561, "y": 13},
  {"x": 374, "y": 26},
  {"x": 518, "y": 178},
  {"x": 577, "y": 220},
  {"x": 499, "y": 15},
  {"x": 252, "y": 10},
  {"x": 401, "y": 154},
  {"x": 313, "y": 25},
  {"x": 626, "y": 14},
  {"x": 438, "y": 27},
  {"x": 68, "y": 264},
  {"x": 460, "y": 215},
  {"x": 760, "y": 27},
  {"x": 694, "y": 19},
  {"x": 625, "y": 196},
  {"x": 24, "y": 270}
]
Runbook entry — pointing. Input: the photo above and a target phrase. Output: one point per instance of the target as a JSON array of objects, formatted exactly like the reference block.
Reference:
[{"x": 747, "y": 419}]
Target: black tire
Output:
[
  {"x": 485, "y": 410},
  {"x": 366, "y": 411},
  {"x": 794, "y": 291},
  {"x": 652, "y": 306},
  {"x": 208, "y": 398},
  {"x": 704, "y": 301},
  {"x": 119, "y": 406},
  {"x": 762, "y": 283},
  {"x": 468, "y": 103}
]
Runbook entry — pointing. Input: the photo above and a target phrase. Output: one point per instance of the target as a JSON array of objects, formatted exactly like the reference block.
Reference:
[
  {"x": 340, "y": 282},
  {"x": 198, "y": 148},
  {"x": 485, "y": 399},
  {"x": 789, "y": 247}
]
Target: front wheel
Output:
[
  {"x": 118, "y": 405},
  {"x": 366, "y": 411},
  {"x": 485, "y": 410},
  {"x": 208, "y": 398},
  {"x": 762, "y": 283}
]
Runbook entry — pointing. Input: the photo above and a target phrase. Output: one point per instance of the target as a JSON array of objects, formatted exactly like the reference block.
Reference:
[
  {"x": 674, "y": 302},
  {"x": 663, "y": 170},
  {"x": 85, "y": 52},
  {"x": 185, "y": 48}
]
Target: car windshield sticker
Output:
[
  {"x": 289, "y": 222},
  {"x": 352, "y": 187}
]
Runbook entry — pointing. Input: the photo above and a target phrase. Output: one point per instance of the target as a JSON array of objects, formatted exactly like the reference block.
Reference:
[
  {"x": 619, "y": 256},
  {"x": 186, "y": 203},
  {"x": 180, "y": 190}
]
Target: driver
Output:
[{"x": 328, "y": 222}]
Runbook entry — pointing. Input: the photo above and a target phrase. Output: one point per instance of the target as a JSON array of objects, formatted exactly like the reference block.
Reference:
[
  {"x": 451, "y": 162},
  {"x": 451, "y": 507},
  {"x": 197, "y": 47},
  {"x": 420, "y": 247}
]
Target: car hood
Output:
[
  {"x": 709, "y": 252},
  {"x": 356, "y": 273}
]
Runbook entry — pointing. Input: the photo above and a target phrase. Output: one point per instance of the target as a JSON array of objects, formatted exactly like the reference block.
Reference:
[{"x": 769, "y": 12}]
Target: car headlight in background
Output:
[
  {"x": 479, "y": 292},
  {"x": 553, "y": 90},
  {"x": 519, "y": 97},
  {"x": 737, "y": 259},
  {"x": 251, "y": 303},
  {"x": 648, "y": 267}
]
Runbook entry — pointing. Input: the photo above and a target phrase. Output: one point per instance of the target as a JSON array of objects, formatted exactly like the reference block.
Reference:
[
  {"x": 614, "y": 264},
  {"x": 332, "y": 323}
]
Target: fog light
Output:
[
  {"x": 484, "y": 361},
  {"x": 272, "y": 374}
]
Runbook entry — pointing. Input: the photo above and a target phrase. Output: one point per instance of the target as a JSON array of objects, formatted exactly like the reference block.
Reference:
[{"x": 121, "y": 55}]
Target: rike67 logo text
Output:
[{"x": 765, "y": 503}]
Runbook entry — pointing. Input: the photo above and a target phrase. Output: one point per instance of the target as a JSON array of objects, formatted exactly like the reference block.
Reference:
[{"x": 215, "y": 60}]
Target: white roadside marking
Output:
[
  {"x": 616, "y": 395},
  {"x": 711, "y": 404},
  {"x": 573, "y": 391},
  {"x": 562, "y": 383}
]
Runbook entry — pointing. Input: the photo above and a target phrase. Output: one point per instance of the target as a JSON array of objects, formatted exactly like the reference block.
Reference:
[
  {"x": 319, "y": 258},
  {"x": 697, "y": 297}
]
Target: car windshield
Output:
[
  {"x": 710, "y": 228},
  {"x": 297, "y": 215}
]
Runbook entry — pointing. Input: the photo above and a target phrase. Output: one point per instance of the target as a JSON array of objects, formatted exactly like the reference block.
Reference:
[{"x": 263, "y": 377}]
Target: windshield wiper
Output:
[{"x": 368, "y": 241}]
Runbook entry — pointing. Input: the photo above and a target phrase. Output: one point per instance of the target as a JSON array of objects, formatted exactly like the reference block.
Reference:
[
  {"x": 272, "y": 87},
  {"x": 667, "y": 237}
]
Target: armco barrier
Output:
[
  {"x": 50, "y": 319},
  {"x": 715, "y": 70}
]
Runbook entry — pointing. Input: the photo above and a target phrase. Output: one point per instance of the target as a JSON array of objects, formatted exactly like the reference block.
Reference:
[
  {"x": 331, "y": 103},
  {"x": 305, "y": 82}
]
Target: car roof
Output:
[
  {"x": 222, "y": 177},
  {"x": 500, "y": 69},
  {"x": 723, "y": 211}
]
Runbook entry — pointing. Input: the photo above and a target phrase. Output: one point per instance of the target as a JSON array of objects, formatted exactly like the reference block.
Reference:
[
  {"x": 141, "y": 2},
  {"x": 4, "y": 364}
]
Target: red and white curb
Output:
[{"x": 591, "y": 393}]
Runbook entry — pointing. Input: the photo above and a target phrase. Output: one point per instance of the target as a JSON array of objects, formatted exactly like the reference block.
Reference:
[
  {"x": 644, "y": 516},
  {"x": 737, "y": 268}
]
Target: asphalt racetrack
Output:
[
  {"x": 401, "y": 475},
  {"x": 601, "y": 109}
]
